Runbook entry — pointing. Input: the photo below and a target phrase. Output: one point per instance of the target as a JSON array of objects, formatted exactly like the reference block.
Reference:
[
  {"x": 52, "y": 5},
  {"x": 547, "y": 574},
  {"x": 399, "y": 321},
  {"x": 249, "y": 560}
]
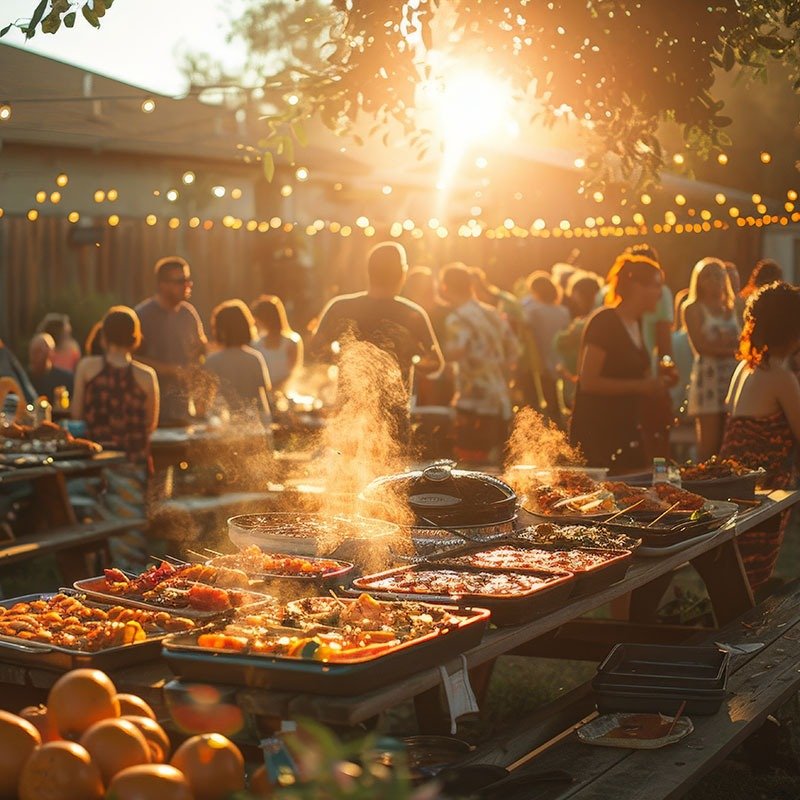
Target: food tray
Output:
[
  {"x": 740, "y": 487},
  {"x": 46, "y": 656},
  {"x": 621, "y": 698},
  {"x": 675, "y": 666},
  {"x": 506, "y": 610},
  {"x": 658, "y": 678},
  {"x": 190, "y": 662},
  {"x": 587, "y": 581},
  {"x": 596, "y": 733},
  {"x": 93, "y": 588},
  {"x": 663, "y": 537},
  {"x": 323, "y": 581}
]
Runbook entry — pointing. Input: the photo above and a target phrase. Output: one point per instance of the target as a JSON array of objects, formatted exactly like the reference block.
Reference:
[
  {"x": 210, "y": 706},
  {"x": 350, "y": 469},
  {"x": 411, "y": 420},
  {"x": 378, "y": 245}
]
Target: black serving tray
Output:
[
  {"x": 610, "y": 700},
  {"x": 736, "y": 487},
  {"x": 190, "y": 662},
  {"x": 506, "y": 610},
  {"x": 26, "y": 653},
  {"x": 587, "y": 581},
  {"x": 636, "y": 666}
]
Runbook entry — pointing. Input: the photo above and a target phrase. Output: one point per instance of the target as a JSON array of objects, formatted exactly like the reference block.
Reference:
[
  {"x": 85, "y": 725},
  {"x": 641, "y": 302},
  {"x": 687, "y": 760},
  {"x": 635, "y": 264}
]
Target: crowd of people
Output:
[{"x": 612, "y": 359}]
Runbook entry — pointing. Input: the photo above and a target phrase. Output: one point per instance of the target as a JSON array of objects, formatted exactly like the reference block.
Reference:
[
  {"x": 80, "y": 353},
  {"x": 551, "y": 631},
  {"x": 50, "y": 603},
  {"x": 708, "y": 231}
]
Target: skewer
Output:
[
  {"x": 625, "y": 510},
  {"x": 213, "y": 552},
  {"x": 195, "y": 553},
  {"x": 663, "y": 514},
  {"x": 170, "y": 559},
  {"x": 676, "y": 717}
]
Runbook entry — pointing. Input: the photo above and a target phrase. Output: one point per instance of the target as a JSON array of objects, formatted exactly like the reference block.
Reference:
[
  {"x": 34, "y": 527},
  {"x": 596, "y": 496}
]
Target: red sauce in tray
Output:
[{"x": 444, "y": 582}]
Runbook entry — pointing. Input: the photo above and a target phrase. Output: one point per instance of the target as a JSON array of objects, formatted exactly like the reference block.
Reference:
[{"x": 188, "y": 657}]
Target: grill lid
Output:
[{"x": 441, "y": 494}]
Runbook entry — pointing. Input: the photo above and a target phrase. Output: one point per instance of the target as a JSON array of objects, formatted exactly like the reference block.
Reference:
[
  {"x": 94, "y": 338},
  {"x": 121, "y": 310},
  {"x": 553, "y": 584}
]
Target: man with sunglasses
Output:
[{"x": 173, "y": 340}]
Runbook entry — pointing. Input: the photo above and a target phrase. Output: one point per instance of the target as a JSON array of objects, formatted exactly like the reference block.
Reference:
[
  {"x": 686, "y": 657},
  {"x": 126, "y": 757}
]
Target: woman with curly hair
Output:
[{"x": 763, "y": 426}]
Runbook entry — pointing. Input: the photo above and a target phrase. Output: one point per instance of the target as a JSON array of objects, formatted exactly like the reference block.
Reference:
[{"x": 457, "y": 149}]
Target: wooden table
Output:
[
  {"x": 717, "y": 559},
  {"x": 56, "y": 526}
]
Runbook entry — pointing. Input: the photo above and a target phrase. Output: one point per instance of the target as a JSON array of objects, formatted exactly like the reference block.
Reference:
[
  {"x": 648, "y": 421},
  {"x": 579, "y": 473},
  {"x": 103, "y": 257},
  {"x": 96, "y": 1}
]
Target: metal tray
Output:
[
  {"x": 587, "y": 581},
  {"x": 324, "y": 581},
  {"x": 91, "y": 587},
  {"x": 664, "y": 536},
  {"x": 506, "y": 610},
  {"x": 190, "y": 662},
  {"x": 46, "y": 656}
]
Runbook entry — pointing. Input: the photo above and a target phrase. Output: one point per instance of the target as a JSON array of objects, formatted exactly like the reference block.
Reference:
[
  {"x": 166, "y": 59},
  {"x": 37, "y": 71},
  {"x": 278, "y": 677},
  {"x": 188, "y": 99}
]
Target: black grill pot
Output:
[{"x": 441, "y": 495}]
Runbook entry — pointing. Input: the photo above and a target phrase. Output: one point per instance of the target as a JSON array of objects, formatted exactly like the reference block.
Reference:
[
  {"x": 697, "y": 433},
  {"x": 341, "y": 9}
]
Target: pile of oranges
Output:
[{"x": 91, "y": 742}]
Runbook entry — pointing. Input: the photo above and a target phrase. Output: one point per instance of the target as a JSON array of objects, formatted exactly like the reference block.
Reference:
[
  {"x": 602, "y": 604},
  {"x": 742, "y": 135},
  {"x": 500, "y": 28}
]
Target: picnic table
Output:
[
  {"x": 562, "y": 632},
  {"x": 56, "y": 528}
]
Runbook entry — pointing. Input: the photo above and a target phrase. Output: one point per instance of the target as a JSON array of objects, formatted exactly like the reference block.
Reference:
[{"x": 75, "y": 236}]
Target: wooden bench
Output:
[
  {"x": 70, "y": 543},
  {"x": 759, "y": 683}
]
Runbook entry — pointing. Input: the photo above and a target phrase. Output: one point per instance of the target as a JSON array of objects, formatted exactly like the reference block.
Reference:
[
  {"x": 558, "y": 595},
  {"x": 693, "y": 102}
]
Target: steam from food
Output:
[{"x": 538, "y": 443}]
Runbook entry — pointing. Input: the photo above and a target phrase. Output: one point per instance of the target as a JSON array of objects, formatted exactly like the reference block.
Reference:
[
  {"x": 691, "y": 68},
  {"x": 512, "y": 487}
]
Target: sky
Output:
[{"x": 138, "y": 40}]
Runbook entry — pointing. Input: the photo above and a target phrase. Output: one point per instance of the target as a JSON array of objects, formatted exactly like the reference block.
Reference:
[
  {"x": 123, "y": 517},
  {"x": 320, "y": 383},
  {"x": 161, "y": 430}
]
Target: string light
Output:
[
  {"x": 680, "y": 199},
  {"x": 756, "y": 198},
  {"x": 5, "y": 112},
  {"x": 73, "y": 216},
  {"x": 188, "y": 177},
  {"x": 41, "y": 196},
  {"x": 62, "y": 180},
  {"x": 33, "y": 215},
  {"x": 236, "y": 194},
  {"x": 301, "y": 173},
  {"x": 678, "y": 159},
  {"x": 646, "y": 199},
  {"x": 55, "y": 197},
  {"x": 172, "y": 195},
  {"x": 218, "y": 191},
  {"x": 765, "y": 157},
  {"x": 286, "y": 190},
  {"x": 112, "y": 195},
  {"x": 387, "y": 189},
  {"x": 148, "y": 105},
  {"x": 792, "y": 195},
  {"x": 151, "y": 219},
  {"x": 99, "y": 196},
  {"x": 720, "y": 198},
  {"x": 722, "y": 159},
  {"x": 113, "y": 220}
]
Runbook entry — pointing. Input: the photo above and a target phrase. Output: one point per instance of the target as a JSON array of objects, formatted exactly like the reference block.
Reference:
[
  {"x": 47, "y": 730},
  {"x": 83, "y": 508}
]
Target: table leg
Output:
[
  {"x": 432, "y": 714},
  {"x": 645, "y": 600},
  {"x": 725, "y": 578}
]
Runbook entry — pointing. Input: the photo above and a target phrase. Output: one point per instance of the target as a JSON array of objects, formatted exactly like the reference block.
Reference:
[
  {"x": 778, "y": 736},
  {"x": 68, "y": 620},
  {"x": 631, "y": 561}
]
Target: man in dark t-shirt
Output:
[
  {"x": 173, "y": 340},
  {"x": 379, "y": 316}
]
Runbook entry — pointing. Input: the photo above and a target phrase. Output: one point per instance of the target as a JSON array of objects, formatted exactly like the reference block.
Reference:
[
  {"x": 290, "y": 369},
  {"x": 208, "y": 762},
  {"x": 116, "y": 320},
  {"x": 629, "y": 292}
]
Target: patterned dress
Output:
[
  {"x": 115, "y": 409},
  {"x": 765, "y": 442},
  {"x": 711, "y": 375}
]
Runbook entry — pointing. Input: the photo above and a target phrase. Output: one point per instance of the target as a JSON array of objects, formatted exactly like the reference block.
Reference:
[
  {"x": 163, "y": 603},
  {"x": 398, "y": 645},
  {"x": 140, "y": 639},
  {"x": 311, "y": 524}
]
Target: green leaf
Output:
[
  {"x": 36, "y": 19},
  {"x": 69, "y": 19},
  {"x": 90, "y": 16},
  {"x": 6, "y": 29},
  {"x": 268, "y": 165}
]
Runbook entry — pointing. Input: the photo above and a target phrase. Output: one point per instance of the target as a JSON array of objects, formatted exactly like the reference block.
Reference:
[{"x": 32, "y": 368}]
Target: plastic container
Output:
[{"x": 659, "y": 678}]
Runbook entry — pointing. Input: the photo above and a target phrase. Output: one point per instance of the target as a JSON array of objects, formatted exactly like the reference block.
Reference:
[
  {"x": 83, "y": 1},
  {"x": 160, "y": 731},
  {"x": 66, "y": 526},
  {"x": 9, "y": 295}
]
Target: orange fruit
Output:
[
  {"x": 132, "y": 706},
  {"x": 42, "y": 721},
  {"x": 212, "y": 764},
  {"x": 149, "y": 781},
  {"x": 18, "y": 739},
  {"x": 60, "y": 771},
  {"x": 157, "y": 739},
  {"x": 80, "y": 698},
  {"x": 114, "y": 745}
]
